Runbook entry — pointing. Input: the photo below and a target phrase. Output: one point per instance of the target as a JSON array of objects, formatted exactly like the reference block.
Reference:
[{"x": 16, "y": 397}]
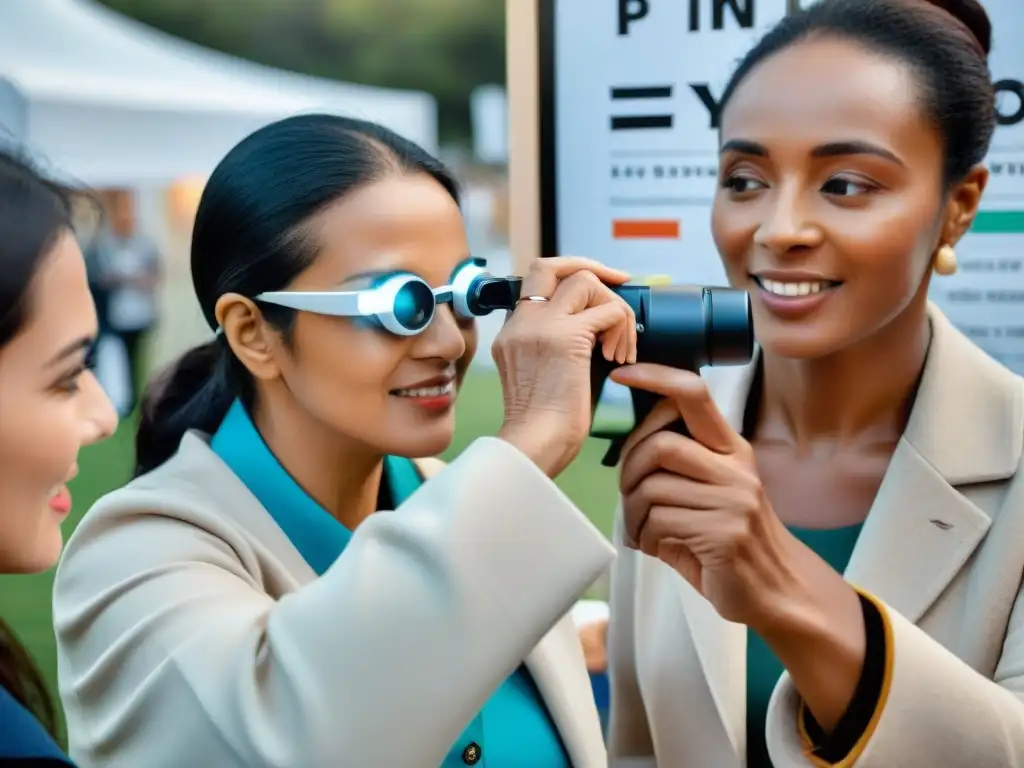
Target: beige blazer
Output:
[
  {"x": 942, "y": 547},
  {"x": 190, "y": 632}
]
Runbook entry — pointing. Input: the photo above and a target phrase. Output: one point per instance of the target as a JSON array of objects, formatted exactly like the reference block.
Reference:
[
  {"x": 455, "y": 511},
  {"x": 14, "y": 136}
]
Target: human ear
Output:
[
  {"x": 251, "y": 340},
  {"x": 962, "y": 203}
]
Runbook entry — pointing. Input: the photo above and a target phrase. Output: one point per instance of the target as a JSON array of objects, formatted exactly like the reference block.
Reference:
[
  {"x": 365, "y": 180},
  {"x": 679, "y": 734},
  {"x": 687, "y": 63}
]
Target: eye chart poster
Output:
[{"x": 629, "y": 99}]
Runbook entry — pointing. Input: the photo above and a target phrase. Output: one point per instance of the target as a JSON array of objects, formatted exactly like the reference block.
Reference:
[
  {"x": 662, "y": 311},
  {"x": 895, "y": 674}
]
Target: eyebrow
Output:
[
  {"x": 832, "y": 149},
  {"x": 365, "y": 275},
  {"x": 743, "y": 147},
  {"x": 356, "y": 276},
  {"x": 83, "y": 344}
]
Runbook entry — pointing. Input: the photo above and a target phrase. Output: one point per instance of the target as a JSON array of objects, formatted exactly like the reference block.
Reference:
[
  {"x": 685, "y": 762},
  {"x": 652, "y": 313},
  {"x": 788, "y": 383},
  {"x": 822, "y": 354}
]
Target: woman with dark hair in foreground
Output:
[
  {"x": 249, "y": 599},
  {"x": 50, "y": 406}
]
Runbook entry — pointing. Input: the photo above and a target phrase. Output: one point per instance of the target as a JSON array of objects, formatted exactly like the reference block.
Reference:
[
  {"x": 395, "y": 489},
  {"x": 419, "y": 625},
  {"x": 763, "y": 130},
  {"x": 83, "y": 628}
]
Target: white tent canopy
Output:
[{"x": 110, "y": 101}]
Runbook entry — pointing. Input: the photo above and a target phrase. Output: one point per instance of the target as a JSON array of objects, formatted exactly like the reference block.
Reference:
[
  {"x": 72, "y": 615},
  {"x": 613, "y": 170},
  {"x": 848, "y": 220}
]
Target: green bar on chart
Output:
[{"x": 998, "y": 223}]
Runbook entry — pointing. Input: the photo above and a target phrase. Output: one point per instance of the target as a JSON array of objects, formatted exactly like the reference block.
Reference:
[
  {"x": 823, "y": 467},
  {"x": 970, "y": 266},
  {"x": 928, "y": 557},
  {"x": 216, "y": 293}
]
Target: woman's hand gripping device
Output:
[{"x": 682, "y": 326}]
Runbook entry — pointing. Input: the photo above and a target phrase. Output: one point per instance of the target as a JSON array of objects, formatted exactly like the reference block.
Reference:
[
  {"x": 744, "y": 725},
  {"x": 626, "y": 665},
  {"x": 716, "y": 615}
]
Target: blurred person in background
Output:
[
  {"x": 50, "y": 406},
  {"x": 125, "y": 270},
  {"x": 869, "y": 439},
  {"x": 248, "y": 599}
]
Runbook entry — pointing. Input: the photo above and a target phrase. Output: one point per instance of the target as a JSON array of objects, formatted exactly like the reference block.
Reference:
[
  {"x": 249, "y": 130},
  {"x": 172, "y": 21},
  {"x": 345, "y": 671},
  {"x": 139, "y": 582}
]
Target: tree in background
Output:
[{"x": 444, "y": 47}]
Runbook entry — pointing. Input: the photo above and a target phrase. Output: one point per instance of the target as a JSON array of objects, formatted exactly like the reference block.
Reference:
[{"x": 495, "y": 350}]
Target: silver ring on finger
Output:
[{"x": 533, "y": 298}]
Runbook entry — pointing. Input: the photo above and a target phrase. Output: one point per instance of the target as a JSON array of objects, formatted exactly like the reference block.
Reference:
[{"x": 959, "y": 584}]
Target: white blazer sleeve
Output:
[
  {"x": 171, "y": 654},
  {"x": 629, "y": 735},
  {"x": 934, "y": 711}
]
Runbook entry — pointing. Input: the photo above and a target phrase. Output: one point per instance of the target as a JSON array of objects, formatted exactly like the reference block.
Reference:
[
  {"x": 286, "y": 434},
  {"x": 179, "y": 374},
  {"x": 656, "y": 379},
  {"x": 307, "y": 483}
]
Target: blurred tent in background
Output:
[
  {"x": 112, "y": 102},
  {"x": 108, "y": 102}
]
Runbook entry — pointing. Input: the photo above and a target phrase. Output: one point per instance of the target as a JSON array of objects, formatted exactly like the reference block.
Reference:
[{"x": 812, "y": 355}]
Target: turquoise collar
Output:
[{"x": 318, "y": 537}]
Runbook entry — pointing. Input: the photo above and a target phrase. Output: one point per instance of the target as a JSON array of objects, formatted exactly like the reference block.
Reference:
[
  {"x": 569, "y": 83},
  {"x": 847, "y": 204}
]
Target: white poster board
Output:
[{"x": 628, "y": 148}]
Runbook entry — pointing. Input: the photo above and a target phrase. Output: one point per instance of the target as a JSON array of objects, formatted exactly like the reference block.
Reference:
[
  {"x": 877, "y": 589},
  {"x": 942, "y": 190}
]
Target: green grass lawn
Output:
[{"x": 25, "y": 600}]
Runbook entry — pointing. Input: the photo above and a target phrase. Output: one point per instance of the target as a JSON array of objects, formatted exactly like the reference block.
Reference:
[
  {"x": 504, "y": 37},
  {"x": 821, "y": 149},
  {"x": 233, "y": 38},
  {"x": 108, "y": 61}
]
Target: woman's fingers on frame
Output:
[
  {"x": 582, "y": 294},
  {"x": 545, "y": 274}
]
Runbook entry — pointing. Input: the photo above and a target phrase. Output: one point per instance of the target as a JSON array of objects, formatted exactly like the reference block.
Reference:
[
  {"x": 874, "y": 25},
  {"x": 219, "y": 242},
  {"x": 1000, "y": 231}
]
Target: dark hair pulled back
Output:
[
  {"x": 34, "y": 213},
  {"x": 252, "y": 235},
  {"x": 945, "y": 42}
]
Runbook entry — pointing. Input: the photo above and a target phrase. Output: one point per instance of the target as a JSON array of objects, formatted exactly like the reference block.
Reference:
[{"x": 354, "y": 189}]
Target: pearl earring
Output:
[{"x": 945, "y": 261}]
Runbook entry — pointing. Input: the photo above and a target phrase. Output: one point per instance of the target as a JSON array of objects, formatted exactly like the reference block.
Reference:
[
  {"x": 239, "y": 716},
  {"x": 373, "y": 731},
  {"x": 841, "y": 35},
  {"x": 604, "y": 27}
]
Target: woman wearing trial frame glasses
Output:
[
  {"x": 242, "y": 602},
  {"x": 401, "y": 303}
]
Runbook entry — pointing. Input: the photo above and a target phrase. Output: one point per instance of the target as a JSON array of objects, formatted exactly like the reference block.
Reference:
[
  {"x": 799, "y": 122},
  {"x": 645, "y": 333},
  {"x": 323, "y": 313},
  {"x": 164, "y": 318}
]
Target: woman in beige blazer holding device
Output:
[
  {"x": 869, "y": 438},
  {"x": 241, "y": 602}
]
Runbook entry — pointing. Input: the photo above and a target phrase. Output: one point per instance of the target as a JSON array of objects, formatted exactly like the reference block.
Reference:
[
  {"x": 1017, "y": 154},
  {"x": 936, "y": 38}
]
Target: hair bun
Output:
[{"x": 972, "y": 15}]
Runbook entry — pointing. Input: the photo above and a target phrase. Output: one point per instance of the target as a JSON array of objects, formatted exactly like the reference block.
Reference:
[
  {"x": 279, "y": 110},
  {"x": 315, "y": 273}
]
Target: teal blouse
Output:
[
  {"x": 514, "y": 728},
  {"x": 835, "y": 547}
]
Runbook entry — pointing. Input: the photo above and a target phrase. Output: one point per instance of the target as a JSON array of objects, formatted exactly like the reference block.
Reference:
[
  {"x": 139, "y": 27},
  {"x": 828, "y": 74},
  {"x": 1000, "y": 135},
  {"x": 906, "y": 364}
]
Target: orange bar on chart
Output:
[{"x": 645, "y": 228}]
